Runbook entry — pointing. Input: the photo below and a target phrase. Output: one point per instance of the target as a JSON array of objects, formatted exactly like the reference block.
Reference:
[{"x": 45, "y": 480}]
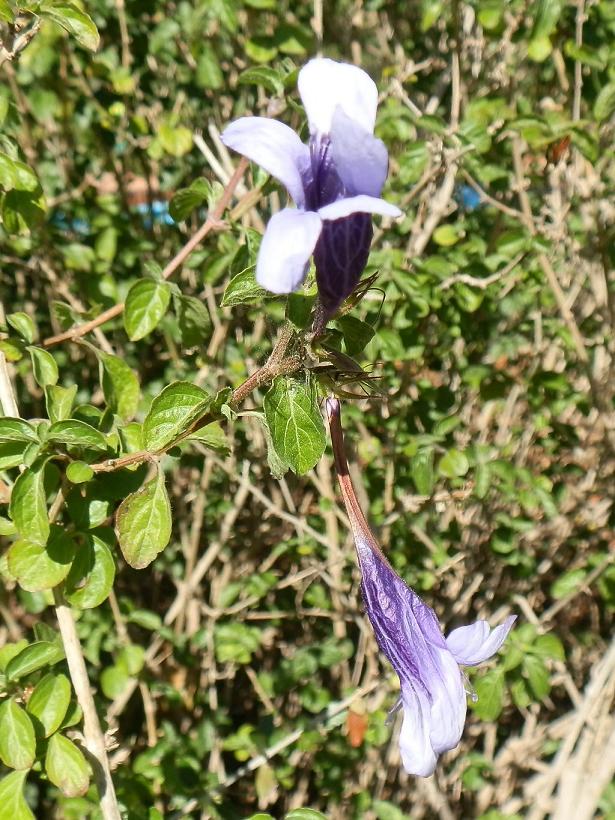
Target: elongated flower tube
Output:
[
  {"x": 335, "y": 182},
  {"x": 433, "y": 695}
]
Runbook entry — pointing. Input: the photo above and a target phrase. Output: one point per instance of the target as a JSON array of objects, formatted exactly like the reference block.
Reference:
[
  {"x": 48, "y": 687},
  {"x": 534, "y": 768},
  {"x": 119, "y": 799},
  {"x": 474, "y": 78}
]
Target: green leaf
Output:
[
  {"x": 59, "y": 401},
  {"x": 49, "y": 702},
  {"x": 212, "y": 436},
  {"x": 539, "y": 48},
  {"x": 146, "y": 304},
  {"x": 16, "y": 175},
  {"x": 17, "y": 738},
  {"x": 16, "y": 430},
  {"x": 8, "y": 652},
  {"x": 264, "y": 77},
  {"x": 36, "y": 566},
  {"x": 357, "y": 334},
  {"x": 23, "y": 324},
  {"x": 193, "y": 318},
  {"x": 66, "y": 766},
  {"x": 490, "y": 691},
  {"x": 23, "y": 210},
  {"x": 120, "y": 385},
  {"x": 422, "y": 472},
  {"x": 28, "y": 507},
  {"x": 113, "y": 681},
  {"x": 6, "y": 14},
  {"x": 44, "y": 366},
  {"x": 175, "y": 139},
  {"x": 34, "y": 657},
  {"x": 549, "y": 646},
  {"x": 453, "y": 464},
  {"x": 78, "y": 472},
  {"x": 537, "y": 675},
  {"x": 604, "y": 105},
  {"x": 208, "y": 71},
  {"x": 172, "y": 413},
  {"x": 13, "y": 454},
  {"x": 244, "y": 289},
  {"x": 91, "y": 576},
  {"x": 295, "y": 422},
  {"x": 75, "y": 433},
  {"x": 447, "y": 235},
  {"x": 186, "y": 200},
  {"x": 567, "y": 583},
  {"x": 236, "y": 642},
  {"x": 13, "y": 804},
  {"x": 305, "y": 814},
  {"x": 73, "y": 20},
  {"x": 143, "y": 523}
]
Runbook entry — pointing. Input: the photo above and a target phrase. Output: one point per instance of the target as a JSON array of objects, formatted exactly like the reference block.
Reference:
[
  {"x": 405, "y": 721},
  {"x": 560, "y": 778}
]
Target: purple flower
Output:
[
  {"x": 433, "y": 694},
  {"x": 335, "y": 182}
]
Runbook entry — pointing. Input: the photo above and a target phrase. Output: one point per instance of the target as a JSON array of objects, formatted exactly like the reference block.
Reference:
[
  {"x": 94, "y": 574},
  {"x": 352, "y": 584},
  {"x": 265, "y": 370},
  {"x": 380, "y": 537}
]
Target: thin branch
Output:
[
  {"x": 19, "y": 43},
  {"x": 475, "y": 282},
  {"x": 578, "y": 66},
  {"x": 211, "y": 223}
]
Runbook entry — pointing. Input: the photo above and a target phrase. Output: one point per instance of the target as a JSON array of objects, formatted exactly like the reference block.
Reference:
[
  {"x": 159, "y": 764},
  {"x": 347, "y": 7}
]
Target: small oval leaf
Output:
[
  {"x": 17, "y": 738},
  {"x": 144, "y": 523}
]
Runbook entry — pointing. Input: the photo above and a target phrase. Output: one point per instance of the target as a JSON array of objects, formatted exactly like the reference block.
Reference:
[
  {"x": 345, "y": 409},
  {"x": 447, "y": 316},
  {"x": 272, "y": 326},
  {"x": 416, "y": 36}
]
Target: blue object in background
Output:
[
  {"x": 467, "y": 197},
  {"x": 157, "y": 212}
]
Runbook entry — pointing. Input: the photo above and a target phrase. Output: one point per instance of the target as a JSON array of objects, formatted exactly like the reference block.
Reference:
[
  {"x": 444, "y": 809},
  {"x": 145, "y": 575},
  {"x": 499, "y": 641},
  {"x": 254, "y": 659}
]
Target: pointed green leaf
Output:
[
  {"x": 44, "y": 366},
  {"x": 13, "y": 804},
  {"x": 295, "y": 422},
  {"x": 66, "y": 766},
  {"x": 41, "y": 566},
  {"x": 537, "y": 675},
  {"x": 244, "y": 289},
  {"x": 91, "y": 576},
  {"x": 13, "y": 454},
  {"x": 28, "y": 508},
  {"x": 23, "y": 324},
  {"x": 6, "y": 12},
  {"x": 49, "y": 702},
  {"x": 59, "y": 401},
  {"x": 490, "y": 691},
  {"x": 75, "y": 433},
  {"x": 172, "y": 413},
  {"x": 17, "y": 738},
  {"x": 73, "y": 20},
  {"x": 604, "y": 105},
  {"x": 34, "y": 657},
  {"x": 146, "y": 304},
  {"x": 422, "y": 472},
  {"x": 143, "y": 523},
  {"x": 193, "y": 318},
  {"x": 16, "y": 430},
  {"x": 120, "y": 385},
  {"x": 187, "y": 199}
]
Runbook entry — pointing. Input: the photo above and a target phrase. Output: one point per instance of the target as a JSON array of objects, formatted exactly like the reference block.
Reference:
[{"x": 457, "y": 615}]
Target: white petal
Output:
[
  {"x": 358, "y": 204},
  {"x": 360, "y": 158},
  {"x": 285, "y": 251},
  {"x": 324, "y": 84},
  {"x": 476, "y": 643},
  {"x": 448, "y": 703},
  {"x": 274, "y": 146},
  {"x": 417, "y": 754}
]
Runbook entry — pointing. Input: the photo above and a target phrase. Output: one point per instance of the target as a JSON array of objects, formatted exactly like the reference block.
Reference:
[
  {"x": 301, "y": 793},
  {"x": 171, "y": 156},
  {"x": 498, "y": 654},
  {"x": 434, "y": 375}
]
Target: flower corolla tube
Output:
[
  {"x": 335, "y": 181},
  {"x": 433, "y": 695}
]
